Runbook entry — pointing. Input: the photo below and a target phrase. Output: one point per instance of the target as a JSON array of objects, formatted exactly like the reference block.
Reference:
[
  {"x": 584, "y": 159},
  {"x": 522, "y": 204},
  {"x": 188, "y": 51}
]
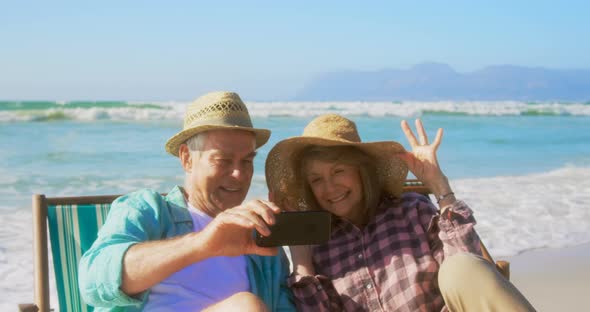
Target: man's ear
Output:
[{"x": 185, "y": 157}]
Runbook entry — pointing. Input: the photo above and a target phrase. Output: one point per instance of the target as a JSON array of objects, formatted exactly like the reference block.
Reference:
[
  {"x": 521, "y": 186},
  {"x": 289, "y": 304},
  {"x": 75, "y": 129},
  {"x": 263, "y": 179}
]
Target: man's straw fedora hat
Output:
[
  {"x": 330, "y": 130},
  {"x": 215, "y": 111}
]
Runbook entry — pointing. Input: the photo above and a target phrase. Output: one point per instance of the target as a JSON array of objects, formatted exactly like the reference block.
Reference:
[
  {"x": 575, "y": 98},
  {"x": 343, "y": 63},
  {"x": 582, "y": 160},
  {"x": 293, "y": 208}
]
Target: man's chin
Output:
[
  {"x": 231, "y": 200},
  {"x": 224, "y": 200}
]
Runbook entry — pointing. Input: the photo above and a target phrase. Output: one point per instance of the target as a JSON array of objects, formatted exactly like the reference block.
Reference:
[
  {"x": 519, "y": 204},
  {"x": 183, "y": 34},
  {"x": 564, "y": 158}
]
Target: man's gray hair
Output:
[{"x": 196, "y": 142}]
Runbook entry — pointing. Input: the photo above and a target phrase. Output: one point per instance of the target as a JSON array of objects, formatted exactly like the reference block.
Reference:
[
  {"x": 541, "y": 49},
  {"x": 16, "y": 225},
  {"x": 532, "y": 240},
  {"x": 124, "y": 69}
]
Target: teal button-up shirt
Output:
[{"x": 146, "y": 215}]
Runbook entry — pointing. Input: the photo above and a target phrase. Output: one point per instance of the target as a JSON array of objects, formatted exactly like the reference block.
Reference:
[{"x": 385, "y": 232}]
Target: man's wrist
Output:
[{"x": 199, "y": 248}]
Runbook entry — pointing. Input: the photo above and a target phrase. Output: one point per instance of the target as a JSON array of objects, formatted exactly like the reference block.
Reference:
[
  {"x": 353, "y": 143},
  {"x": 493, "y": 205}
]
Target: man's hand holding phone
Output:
[{"x": 230, "y": 230}]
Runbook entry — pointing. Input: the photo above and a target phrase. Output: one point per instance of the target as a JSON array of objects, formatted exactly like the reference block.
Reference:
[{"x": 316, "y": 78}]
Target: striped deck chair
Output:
[{"x": 73, "y": 223}]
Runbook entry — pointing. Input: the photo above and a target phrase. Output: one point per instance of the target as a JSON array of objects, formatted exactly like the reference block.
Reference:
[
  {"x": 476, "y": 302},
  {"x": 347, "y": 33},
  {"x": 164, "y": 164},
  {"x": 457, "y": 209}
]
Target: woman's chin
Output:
[{"x": 342, "y": 212}]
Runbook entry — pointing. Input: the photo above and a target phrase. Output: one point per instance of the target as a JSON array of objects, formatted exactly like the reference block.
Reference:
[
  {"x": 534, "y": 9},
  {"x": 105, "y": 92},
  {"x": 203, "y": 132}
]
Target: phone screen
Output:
[{"x": 297, "y": 228}]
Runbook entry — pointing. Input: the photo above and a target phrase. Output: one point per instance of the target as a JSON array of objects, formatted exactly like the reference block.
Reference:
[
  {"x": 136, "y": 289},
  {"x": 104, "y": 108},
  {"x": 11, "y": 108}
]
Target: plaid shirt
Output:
[{"x": 392, "y": 263}]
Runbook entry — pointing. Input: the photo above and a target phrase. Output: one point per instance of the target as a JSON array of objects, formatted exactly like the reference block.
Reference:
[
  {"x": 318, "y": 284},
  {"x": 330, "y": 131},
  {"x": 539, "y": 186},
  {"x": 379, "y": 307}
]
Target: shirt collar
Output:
[{"x": 176, "y": 201}]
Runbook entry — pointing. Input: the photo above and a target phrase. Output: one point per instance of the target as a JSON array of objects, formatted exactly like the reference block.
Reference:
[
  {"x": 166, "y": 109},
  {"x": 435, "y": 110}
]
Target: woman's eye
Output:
[{"x": 314, "y": 181}]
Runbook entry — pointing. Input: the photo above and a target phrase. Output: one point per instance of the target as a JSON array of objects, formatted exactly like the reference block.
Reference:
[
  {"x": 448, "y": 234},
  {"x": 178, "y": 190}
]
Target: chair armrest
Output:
[
  {"x": 504, "y": 268},
  {"x": 28, "y": 307}
]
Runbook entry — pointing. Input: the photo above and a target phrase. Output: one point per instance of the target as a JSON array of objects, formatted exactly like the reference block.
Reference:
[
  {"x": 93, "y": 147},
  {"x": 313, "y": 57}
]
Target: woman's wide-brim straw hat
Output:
[
  {"x": 215, "y": 111},
  {"x": 330, "y": 130}
]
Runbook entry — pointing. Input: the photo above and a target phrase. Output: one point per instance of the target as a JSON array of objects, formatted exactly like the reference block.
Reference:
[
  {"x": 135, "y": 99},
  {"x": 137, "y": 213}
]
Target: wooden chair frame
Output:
[{"x": 40, "y": 238}]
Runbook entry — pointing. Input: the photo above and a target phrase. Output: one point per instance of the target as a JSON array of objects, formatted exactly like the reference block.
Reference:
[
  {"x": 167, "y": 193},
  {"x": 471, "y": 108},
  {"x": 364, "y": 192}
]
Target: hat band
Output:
[{"x": 229, "y": 120}]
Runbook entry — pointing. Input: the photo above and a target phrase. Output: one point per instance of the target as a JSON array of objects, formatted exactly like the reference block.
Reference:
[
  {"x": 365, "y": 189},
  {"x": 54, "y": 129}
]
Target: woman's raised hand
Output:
[{"x": 422, "y": 160}]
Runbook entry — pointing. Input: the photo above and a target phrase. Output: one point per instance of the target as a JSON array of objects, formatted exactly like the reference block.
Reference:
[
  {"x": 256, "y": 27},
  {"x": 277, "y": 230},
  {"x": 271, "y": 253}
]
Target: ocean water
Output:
[{"x": 523, "y": 167}]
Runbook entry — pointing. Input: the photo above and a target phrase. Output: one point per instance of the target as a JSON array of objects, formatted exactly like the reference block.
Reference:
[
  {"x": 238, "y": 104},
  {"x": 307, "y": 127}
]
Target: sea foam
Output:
[
  {"x": 518, "y": 213},
  {"x": 174, "y": 110}
]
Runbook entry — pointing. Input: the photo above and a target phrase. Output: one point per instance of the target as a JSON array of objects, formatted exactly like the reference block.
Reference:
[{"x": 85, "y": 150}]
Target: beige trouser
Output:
[{"x": 470, "y": 283}]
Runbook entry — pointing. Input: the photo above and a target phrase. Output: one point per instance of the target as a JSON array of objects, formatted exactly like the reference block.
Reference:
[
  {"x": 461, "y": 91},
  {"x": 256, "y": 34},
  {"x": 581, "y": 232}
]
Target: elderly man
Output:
[{"x": 193, "y": 249}]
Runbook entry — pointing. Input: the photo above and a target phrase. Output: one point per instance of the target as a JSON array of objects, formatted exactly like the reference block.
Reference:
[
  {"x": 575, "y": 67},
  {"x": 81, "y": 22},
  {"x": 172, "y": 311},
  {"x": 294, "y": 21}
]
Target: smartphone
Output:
[{"x": 297, "y": 228}]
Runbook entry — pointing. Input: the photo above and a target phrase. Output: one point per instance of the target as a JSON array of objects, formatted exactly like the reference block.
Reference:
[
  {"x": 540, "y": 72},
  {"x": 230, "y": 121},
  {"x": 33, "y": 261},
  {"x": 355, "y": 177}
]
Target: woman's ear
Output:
[{"x": 185, "y": 157}]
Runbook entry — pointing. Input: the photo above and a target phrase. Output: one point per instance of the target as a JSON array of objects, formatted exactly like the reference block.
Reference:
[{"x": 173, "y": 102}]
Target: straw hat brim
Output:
[
  {"x": 284, "y": 156},
  {"x": 173, "y": 144}
]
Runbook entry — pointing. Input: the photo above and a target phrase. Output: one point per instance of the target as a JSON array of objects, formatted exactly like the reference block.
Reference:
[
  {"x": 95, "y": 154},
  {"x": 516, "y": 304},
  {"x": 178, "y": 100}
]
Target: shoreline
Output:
[{"x": 553, "y": 279}]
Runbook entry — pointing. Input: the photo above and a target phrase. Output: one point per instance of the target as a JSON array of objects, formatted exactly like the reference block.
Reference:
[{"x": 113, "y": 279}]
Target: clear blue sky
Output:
[{"x": 176, "y": 50}]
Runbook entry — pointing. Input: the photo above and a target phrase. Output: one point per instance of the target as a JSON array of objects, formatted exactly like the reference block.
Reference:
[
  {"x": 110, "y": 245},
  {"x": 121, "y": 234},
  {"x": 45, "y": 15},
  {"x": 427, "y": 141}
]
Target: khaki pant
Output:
[{"x": 470, "y": 283}]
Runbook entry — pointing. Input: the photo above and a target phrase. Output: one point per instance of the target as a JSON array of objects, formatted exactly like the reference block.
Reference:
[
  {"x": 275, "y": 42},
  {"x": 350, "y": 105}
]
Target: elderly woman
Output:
[{"x": 388, "y": 251}]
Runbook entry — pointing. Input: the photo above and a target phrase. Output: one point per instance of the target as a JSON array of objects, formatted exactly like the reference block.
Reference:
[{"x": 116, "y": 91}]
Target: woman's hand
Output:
[
  {"x": 302, "y": 260},
  {"x": 422, "y": 160}
]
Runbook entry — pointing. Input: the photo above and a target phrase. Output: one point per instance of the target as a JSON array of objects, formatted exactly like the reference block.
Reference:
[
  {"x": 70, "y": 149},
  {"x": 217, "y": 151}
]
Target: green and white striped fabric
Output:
[{"x": 72, "y": 230}]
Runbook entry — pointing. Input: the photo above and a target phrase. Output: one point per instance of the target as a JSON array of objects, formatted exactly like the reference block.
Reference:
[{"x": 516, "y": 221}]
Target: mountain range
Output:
[{"x": 436, "y": 81}]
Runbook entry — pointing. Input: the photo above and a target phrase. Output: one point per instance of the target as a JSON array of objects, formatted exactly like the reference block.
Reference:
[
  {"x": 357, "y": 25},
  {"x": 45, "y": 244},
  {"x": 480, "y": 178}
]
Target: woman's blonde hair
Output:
[{"x": 348, "y": 155}]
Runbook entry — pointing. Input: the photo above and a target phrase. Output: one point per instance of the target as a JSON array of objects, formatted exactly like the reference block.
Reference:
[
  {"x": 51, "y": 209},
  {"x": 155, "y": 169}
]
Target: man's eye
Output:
[{"x": 314, "y": 181}]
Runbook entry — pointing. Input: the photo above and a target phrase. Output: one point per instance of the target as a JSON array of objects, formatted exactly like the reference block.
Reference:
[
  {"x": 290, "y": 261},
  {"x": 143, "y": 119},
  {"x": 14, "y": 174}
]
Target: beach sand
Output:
[{"x": 554, "y": 279}]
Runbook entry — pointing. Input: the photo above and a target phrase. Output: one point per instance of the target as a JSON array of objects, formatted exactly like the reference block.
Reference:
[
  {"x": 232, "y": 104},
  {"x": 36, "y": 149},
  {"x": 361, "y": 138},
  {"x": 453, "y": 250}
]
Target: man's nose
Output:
[{"x": 238, "y": 172}]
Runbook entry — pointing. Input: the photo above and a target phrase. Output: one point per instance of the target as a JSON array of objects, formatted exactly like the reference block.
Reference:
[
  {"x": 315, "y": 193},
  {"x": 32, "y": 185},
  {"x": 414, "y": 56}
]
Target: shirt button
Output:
[
  {"x": 319, "y": 287},
  {"x": 360, "y": 256},
  {"x": 369, "y": 286}
]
